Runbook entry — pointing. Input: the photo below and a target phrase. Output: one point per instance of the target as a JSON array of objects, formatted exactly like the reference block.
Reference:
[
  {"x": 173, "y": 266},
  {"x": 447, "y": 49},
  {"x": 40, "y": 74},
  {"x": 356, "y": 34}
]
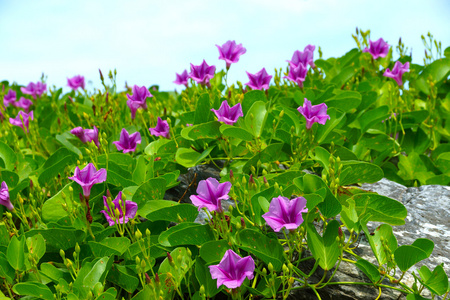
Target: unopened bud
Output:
[
  {"x": 270, "y": 266},
  {"x": 138, "y": 234}
]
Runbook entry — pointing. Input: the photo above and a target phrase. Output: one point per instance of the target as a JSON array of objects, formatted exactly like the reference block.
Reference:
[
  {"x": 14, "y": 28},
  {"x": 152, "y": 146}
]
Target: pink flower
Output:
[
  {"x": 297, "y": 74},
  {"x": 304, "y": 58},
  {"x": 230, "y": 52},
  {"x": 128, "y": 142},
  {"x": 161, "y": 129},
  {"x": 397, "y": 72},
  {"x": 4, "y": 196},
  {"x": 285, "y": 213},
  {"x": 182, "y": 79},
  {"x": 138, "y": 99},
  {"x": 232, "y": 270},
  {"x": 23, "y": 103},
  {"x": 202, "y": 73},
  {"x": 260, "y": 80},
  {"x": 314, "y": 113},
  {"x": 22, "y": 119},
  {"x": 9, "y": 98},
  {"x": 34, "y": 89},
  {"x": 210, "y": 194},
  {"x": 76, "y": 82},
  {"x": 228, "y": 115},
  {"x": 378, "y": 48},
  {"x": 130, "y": 210},
  {"x": 87, "y": 177},
  {"x": 86, "y": 135}
]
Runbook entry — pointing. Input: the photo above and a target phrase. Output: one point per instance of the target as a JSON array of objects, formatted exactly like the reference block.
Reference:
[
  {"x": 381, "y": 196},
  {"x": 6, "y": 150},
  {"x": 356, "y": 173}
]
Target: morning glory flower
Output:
[
  {"x": 232, "y": 270},
  {"x": 34, "y": 89},
  {"x": 305, "y": 58},
  {"x": 87, "y": 177},
  {"x": 128, "y": 142},
  {"x": 297, "y": 74},
  {"x": 4, "y": 196},
  {"x": 259, "y": 81},
  {"x": 210, "y": 194},
  {"x": 130, "y": 210},
  {"x": 397, "y": 72},
  {"x": 9, "y": 98},
  {"x": 23, "y": 103},
  {"x": 285, "y": 213},
  {"x": 230, "y": 52},
  {"x": 227, "y": 114},
  {"x": 182, "y": 79},
  {"x": 202, "y": 73},
  {"x": 17, "y": 121},
  {"x": 378, "y": 48},
  {"x": 76, "y": 82},
  {"x": 86, "y": 135},
  {"x": 161, "y": 129},
  {"x": 138, "y": 99},
  {"x": 314, "y": 113}
]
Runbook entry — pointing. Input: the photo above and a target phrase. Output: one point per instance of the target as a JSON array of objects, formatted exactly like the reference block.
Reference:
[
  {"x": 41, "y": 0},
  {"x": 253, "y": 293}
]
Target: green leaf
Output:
[
  {"x": 369, "y": 269},
  {"x": 437, "y": 71},
  {"x": 6, "y": 271},
  {"x": 359, "y": 172},
  {"x": 123, "y": 277},
  {"x": 436, "y": 281},
  {"x": 416, "y": 297},
  {"x": 407, "y": 256},
  {"x": 8, "y": 156},
  {"x": 236, "y": 132},
  {"x": 270, "y": 154},
  {"x": 186, "y": 234},
  {"x": 110, "y": 246},
  {"x": 117, "y": 175},
  {"x": 203, "y": 276},
  {"x": 59, "y": 238},
  {"x": 140, "y": 170},
  {"x": 250, "y": 98},
  {"x": 35, "y": 289},
  {"x": 203, "y": 111},
  {"x": 36, "y": 246},
  {"x": 188, "y": 157},
  {"x": 98, "y": 272},
  {"x": 345, "y": 100},
  {"x": 443, "y": 162},
  {"x": 268, "y": 249},
  {"x": 324, "y": 249},
  {"x": 349, "y": 216},
  {"x": 209, "y": 130},
  {"x": 380, "y": 209},
  {"x": 213, "y": 251},
  {"x": 53, "y": 210},
  {"x": 15, "y": 253},
  {"x": 344, "y": 75},
  {"x": 150, "y": 190},
  {"x": 336, "y": 118},
  {"x": 64, "y": 140},
  {"x": 160, "y": 146},
  {"x": 145, "y": 294},
  {"x": 254, "y": 119},
  {"x": 182, "y": 262},
  {"x": 169, "y": 211}
]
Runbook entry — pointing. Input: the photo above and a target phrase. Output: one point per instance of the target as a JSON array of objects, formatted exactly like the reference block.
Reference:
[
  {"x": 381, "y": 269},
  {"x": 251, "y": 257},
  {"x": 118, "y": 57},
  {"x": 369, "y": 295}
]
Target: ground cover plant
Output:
[{"x": 84, "y": 176}]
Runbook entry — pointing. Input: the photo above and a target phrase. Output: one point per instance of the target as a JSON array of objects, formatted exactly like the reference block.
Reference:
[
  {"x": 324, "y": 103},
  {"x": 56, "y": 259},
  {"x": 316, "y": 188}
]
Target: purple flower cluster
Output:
[
  {"x": 127, "y": 210},
  {"x": 377, "y": 49},
  {"x": 298, "y": 65},
  {"x": 232, "y": 270},
  {"x": 138, "y": 99},
  {"x": 285, "y": 213},
  {"x": 4, "y": 196},
  {"x": 76, "y": 82},
  {"x": 227, "y": 114},
  {"x": 210, "y": 194},
  {"x": 22, "y": 120},
  {"x": 314, "y": 113},
  {"x": 87, "y": 177},
  {"x": 161, "y": 129},
  {"x": 127, "y": 142},
  {"x": 202, "y": 73},
  {"x": 34, "y": 89},
  {"x": 86, "y": 135},
  {"x": 230, "y": 52},
  {"x": 397, "y": 72}
]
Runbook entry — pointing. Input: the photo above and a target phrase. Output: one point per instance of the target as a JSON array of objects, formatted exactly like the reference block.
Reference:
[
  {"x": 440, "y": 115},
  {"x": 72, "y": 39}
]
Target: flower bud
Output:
[
  {"x": 270, "y": 266},
  {"x": 147, "y": 233},
  {"x": 62, "y": 254},
  {"x": 138, "y": 234},
  {"x": 281, "y": 114},
  {"x": 71, "y": 189},
  {"x": 143, "y": 265},
  {"x": 77, "y": 248}
]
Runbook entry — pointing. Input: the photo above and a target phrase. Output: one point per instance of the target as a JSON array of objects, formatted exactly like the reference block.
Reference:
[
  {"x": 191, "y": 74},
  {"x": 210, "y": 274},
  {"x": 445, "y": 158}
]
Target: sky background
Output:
[{"x": 149, "y": 41}]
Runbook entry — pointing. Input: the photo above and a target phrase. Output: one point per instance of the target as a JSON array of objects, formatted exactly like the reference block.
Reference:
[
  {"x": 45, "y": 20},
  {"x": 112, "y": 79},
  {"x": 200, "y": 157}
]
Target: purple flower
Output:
[
  {"x": 128, "y": 142},
  {"x": 9, "y": 98},
  {"x": 86, "y": 135},
  {"x": 138, "y": 99},
  {"x": 34, "y": 89},
  {"x": 304, "y": 58},
  {"x": 227, "y": 114},
  {"x": 202, "y": 73},
  {"x": 397, "y": 72},
  {"x": 23, "y": 103},
  {"x": 4, "y": 196},
  {"x": 87, "y": 177},
  {"x": 285, "y": 213},
  {"x": 76, "y": 82},
  {"x": 314, "y": 113},
  {"x": 297, "y": 74},
  {"x": 182, "y": 79},
  {"x": 130, "y": 210},
  {"x": 22, "y": 116},
  {"x": 210, "y": 194},
  {"x": 230, "y": 52},
  {"x": 161, "y": 129},
  {"x": 378, "y": 48},
  {"x": 259, "y": 81},
  {"x": 232, "y": 270}
]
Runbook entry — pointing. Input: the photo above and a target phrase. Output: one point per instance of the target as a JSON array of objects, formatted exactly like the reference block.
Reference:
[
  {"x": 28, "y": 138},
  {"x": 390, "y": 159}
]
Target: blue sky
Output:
[{"x": 149, "y": 41}]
